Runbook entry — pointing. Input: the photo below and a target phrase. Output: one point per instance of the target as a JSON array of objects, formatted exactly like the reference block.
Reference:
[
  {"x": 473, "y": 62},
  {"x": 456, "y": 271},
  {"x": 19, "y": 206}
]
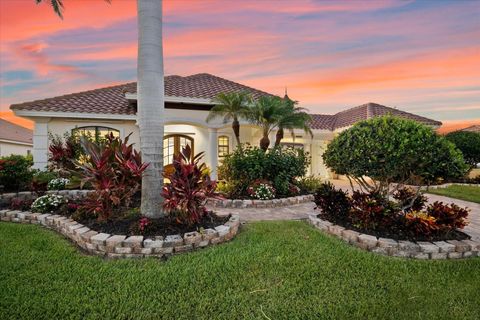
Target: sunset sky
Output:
[{"x": 420, "y": 56}]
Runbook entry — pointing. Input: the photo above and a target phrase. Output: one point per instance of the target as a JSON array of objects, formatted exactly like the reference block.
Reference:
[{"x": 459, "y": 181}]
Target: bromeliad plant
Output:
[
  {"x": 114, "y": 169},
  {"x": 189, "y": 189}
]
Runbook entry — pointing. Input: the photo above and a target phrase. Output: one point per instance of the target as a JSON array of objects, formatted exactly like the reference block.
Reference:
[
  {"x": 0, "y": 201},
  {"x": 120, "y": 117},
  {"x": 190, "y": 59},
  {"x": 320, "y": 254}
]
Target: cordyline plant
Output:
[
  {"x": 383, "y": 154},
  {"x": 114, "y": 169},
  {"x": 190, "y": 186},
  {"x": 63, "y": 152}
]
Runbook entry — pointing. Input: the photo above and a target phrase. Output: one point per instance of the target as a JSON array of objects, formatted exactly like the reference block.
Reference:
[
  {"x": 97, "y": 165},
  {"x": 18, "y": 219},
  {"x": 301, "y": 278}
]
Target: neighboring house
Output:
[
  {"x": 474, "y": 128},
  {"x": 187, "y": 102},
  {"x": 14, "y": 139}
]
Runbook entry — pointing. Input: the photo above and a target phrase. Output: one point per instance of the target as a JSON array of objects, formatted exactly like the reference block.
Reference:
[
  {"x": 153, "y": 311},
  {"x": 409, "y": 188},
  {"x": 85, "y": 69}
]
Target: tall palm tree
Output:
[
  {"x": 150, "y": 93},
  {"x": 292, "y": 118},
  {"x": 266, "y": 113},
  {"x": 232, "y": 106}
]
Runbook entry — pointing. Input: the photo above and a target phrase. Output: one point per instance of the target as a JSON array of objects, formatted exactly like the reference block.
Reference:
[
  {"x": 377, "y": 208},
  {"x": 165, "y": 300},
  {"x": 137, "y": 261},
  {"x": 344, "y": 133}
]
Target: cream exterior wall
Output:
[
  {"x": 9, "y": 148},
  {"x": 187, "y": 122}
]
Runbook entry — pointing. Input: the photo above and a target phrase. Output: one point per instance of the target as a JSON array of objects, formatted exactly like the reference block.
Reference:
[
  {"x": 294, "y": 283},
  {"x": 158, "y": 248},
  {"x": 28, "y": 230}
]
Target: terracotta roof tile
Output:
[
  {"x": 14, "y": 132},
  {"x": 112, "y": 99},
  {"x": 363, "y": 112}
]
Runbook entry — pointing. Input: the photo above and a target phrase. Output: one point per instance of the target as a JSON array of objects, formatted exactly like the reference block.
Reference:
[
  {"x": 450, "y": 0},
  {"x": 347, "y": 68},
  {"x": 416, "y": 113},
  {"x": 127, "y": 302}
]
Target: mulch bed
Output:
[
  {"x": 395, "y": 232},
  {"x": 156, "y": 227}
]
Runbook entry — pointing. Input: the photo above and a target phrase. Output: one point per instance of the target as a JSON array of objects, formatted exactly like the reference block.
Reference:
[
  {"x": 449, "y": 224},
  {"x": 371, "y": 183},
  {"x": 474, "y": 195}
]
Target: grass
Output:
[
  {"x": 272, "y": 270},
  {"x": 467, "y": 193}
]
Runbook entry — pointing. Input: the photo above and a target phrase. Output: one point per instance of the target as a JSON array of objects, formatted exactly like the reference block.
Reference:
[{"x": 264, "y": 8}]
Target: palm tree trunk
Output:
[
  {"x": 236, "y": 130},
  {"x": 278, "y": 137},
  {"x": 265, "y": 141},
  {"x": 150, "y": 99}
]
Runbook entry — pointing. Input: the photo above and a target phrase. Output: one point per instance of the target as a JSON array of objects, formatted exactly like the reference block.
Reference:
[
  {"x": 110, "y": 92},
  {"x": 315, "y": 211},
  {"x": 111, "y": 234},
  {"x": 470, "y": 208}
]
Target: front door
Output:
[{"x": 172, "y": 145}]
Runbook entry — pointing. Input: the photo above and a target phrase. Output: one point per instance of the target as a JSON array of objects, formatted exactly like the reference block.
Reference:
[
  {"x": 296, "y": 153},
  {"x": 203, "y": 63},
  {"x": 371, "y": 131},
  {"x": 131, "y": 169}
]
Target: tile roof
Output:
[
  {"x": 14, "y": 132},
  {"x": 363, "y": 112},
  {"x": 112, "y": 99},
  {"x": 474, "y": 128}
]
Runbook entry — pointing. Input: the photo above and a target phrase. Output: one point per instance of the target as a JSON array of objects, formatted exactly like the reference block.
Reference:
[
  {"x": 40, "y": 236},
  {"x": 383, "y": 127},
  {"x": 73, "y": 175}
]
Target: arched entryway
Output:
[{"x": 172, "y": 145}]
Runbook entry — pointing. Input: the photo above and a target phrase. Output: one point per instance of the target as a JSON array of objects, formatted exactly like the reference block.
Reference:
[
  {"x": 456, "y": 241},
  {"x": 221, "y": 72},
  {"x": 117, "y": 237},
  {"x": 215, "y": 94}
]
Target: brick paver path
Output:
[{"x": 301, "y": 211}]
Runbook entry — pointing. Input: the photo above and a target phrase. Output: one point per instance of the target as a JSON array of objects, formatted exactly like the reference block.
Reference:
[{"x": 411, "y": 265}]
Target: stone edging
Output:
[
  {"x": 120, "y": 246},
  {"x": 5, "y": 198},
  {"x": 249, "y": 203},
  {"x": 451, "y": 249}
]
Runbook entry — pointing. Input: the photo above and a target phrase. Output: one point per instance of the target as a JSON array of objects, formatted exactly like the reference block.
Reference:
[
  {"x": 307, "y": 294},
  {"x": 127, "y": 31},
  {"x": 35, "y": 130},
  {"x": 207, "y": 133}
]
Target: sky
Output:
[{"x": 419, "y": 56}]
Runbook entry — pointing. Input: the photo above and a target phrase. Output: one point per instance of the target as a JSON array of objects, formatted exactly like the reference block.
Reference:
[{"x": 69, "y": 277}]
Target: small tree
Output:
[
  {"x": 393, "y": 150},
  {"x": 469, "y": 143}
]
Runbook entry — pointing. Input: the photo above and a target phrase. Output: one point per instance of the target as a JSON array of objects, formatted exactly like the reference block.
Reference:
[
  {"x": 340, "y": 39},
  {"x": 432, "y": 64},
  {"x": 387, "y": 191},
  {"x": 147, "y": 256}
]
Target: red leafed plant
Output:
[
  {"x": 448, "y": 216},
  {"x": 190, "y": 187},
  {"x": 421, "y": 224},
  {"x": 63, "y": 152},
  {"x": 114, "y": 169}
]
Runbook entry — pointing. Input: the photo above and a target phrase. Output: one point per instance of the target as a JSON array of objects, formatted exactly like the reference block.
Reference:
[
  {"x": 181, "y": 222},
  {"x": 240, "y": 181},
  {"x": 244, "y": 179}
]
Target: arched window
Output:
[
  {"x": 95, "y": 132},
  {"x": 223, "y": 146}
]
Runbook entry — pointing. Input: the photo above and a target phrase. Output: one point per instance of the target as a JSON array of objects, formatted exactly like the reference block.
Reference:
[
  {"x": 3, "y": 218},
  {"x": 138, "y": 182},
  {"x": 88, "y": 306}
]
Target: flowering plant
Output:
[
  {"x": 262, "y": 190},
  {"x": 48, "y": 203},
  {"x": 58, "y": 184}
]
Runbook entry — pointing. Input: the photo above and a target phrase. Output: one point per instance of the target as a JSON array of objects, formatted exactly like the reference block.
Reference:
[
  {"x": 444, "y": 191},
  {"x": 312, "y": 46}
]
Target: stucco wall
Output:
[
  {"x": 7, "y": 149},
  {"x": 193, "y": 124}
]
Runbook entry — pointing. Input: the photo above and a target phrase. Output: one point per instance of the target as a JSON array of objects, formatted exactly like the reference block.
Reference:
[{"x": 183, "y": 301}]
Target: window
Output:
[
  {"x": 223, "y": 146},
  {"x": 173, "y": 144},
  {"x": 95, "y": 132}
]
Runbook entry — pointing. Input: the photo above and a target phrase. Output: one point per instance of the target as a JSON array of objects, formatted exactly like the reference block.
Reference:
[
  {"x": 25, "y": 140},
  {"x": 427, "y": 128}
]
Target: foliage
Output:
[
  {"x": 420, "y": 223},
  {"x": 293, "y": 190},
  {"x": 64, "y": 152},
  {"x": 58, "y": 184},
  {"x": 409, "y": 199},
  {"x": 40, "y": 181},
  {"x": 189, "y": 189},
  {"x": 291, "y": 118},
  {"x": 372, "y": 213},
  {"x": 308, "y": 184},
  {"x": 468, "y": 143},
  {"x": 114, "y": 169},
  {"x": 389, "y": 149},
  {"x": 231, "y": 106},
  {"x": 371, "y": 210},
  {"x": 261, "y": 190},
  {"x": 281, "y": 166},
  {"x": 20, "y": 204},
  {"x": 15, "y": 172},
  {"x": 332, "y": 201},
  {"x": 48, "y": 203},
  {"x": 448, "y": 216}
]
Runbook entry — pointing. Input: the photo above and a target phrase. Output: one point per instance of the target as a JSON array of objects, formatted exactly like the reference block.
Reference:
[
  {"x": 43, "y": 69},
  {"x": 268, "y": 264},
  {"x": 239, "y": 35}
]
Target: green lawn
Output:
[
  {"x": 467, "y": 193},
  {"x": 279, "y": 270}
]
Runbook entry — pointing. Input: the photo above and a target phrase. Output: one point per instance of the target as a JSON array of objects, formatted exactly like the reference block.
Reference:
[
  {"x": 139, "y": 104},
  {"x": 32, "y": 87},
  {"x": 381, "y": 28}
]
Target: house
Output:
[
  {"x": 474, "y": 128},
  {"x": 187, "y": 102},
  {"x": 14, "y": 139}
]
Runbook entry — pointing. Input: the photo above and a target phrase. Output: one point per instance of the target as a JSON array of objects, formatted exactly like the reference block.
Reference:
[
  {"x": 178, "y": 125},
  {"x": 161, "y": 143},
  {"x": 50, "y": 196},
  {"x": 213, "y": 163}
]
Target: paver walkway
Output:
[{"x": 301, "y": 211}]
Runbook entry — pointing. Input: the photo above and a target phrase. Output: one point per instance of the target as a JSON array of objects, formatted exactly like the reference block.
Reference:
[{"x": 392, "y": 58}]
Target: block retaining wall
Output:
[
  {"x": 121, "y": 246},
  {"x": 451, "y": 249},
  {"x": 248, "y": 203}
]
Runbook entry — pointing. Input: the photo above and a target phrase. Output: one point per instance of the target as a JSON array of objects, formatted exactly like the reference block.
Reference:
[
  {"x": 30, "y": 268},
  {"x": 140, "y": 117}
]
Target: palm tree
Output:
[
  {"x": 266, "y": 113},
  {"x": 292, "y": 118},
  {"x": 232, "y": 106},
  {"x": 150, "y": 93}
]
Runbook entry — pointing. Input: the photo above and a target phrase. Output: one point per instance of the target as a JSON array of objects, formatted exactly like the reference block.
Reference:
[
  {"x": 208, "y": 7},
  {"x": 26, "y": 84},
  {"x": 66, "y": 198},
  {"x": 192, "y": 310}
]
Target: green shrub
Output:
[
  {"x": 468, "y": 143},
  {"x": 15, "y": 173},
  {"x": 309, "y": 184},
  {"x": 279, "y": 166},
  {"x": 40, "y": 181},
  {"x": 389, "y": 149}
]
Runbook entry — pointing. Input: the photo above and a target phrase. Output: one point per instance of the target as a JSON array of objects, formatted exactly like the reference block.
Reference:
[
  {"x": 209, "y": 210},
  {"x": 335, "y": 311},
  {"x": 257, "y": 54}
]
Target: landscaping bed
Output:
[{"x": 382, "y": 244}]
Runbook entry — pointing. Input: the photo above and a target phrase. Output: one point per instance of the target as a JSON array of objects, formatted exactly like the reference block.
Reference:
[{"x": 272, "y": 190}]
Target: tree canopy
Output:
[
  {"x": 468, "y": 143},
  {"x": 393, "y": 150}
]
